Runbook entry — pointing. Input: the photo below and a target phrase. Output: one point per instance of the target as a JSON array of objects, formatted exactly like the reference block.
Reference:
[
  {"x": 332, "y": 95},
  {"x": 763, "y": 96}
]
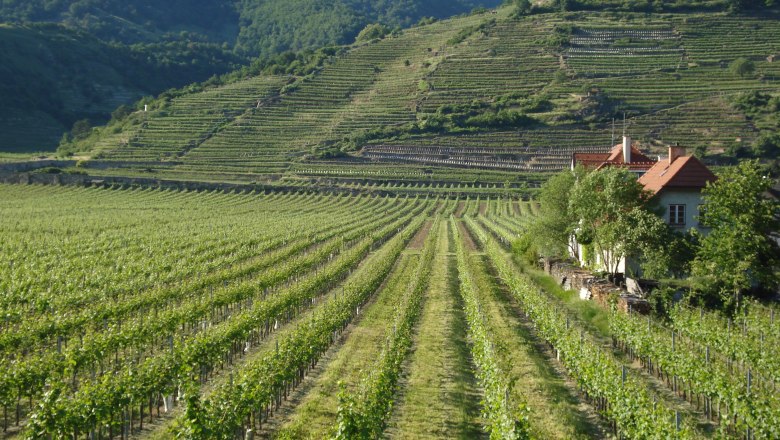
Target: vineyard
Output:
[
  {"x": 148, "y": 313},
  {"x": 417, "y": 105}
]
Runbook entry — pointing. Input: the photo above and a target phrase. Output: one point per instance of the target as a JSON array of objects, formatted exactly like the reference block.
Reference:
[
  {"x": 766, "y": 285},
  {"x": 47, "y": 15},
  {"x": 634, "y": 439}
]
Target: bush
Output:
[
  {"x": 767, "y": 145},
  {"x": 742, "y": 67},
  {"x": 501, "y": 119},
  {"x": 81, "y": 129},
  {"x": 121, "y": 113},
  {"x": 371, "y": 32}
]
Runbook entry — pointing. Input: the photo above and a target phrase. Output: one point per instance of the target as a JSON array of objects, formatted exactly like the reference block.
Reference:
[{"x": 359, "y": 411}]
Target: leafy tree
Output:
[
  {"x": 766, "y": 145},
  {"x": 121, "y": 112},
  {"x": 372, "y": 31},
  {"x": 738, "y": 252},
  {"x": 522, "y": 7},
  {"x": 551, "y": 231},
  {"x": 612, "y": 208},
  {"x": 742, "y": 67},
  {"x": 81, "y": 129}
]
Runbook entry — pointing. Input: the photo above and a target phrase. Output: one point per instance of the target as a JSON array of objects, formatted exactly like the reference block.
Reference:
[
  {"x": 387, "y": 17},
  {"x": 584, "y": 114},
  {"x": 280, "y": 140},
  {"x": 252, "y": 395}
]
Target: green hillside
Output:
[
  {"x": 51, "y": 77},
  {"x": 487, "y": 92},
  {"x": 69, "y": 60}
]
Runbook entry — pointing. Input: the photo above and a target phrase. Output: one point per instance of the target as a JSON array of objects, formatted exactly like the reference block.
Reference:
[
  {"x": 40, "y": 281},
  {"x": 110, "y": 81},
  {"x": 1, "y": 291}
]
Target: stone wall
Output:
[{"x": 593, "y": 288}]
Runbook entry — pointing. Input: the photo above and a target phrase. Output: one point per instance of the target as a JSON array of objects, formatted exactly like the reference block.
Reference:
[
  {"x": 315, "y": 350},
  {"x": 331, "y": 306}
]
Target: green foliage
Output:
[
  {"x": 81, "y": 129},
  {"x": 499, "y": 119},
  {"x": 103, "y": 52},
  {"x": 60, "y": 76},
  {"x": 522, "y": 7},
  {"x": 525, "y": 247},
  {"x": 611, "y": 207},
  {"x": 551, "y": 230},
  {"x": 277, "y": 26},
  {"x": 738, "y": 252},
  {"x": 742, "y": 67},
  {"x": 364, "y": 414},
  {"x": 598, "y": 373},
  {"x": 373, "y": 31},
  {"x": 121, "y": 112},
  {"x": 662, "y": 300},
  {"x": 506, "y": 419},
  {"x": 465, "y": 33},
  {"x": 767, "y": 144},
  {"x": 764, "y": 110}
]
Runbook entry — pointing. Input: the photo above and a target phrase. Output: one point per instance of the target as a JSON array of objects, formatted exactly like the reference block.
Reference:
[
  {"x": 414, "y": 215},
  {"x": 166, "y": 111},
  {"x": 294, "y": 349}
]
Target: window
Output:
[{"x": 677, "y": 215}]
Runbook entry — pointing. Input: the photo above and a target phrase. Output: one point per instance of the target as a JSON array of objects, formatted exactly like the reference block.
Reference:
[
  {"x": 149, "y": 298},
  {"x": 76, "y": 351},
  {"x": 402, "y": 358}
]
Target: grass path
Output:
[
  {"x": 439, "y": 397},
  {"x": 596, "y": 321},
  {"x": 556, "y": 410},
  {"x": 316, "y": 411}
]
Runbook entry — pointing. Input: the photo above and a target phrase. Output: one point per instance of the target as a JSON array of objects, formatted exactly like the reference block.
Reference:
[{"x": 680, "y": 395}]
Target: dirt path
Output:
[
  {"x": 461, "y": 208},
  {"x": 471, "y": 245},
  {"x": 438, "y": 394},
  {"x": 418, "y": 241}
]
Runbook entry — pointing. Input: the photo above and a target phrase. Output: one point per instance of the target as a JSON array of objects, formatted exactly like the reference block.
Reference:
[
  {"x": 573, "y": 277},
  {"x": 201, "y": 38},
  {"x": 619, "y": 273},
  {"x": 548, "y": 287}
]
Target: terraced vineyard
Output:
[
  {"x": 146, "y": 313},
  {"x": 572, "y": 73}
]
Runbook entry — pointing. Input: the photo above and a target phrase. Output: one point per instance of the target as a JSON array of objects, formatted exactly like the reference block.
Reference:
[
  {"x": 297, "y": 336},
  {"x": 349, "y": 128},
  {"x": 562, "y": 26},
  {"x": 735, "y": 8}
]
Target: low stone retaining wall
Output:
[{"x": 591, "y": 287}]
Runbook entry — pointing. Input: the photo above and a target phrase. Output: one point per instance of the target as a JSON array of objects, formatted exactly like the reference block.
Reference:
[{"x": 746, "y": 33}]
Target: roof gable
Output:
[
  {"x": 683, "y": 172},
  {"x": 639, "y": 162}
]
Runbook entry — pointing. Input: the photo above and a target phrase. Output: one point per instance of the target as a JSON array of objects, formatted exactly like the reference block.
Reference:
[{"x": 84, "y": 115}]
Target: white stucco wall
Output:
[{"x": 690, "y": 198}]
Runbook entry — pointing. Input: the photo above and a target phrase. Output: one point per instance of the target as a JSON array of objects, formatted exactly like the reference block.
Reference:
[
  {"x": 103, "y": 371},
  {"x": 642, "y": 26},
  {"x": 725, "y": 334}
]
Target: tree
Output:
[
  {"x": 738, "y": 252},
  {"x": 372, "y": 31},
  {"x": 613, "y": 216},
  {"x": 767, "y": 145},
  {"x": 522, "y": 7},
  {"x": 742, "y": 67},
  {"x": 551, "y": 231},
  {"x": 81, "y": 129},
  {"x": 121, "y": 112}
]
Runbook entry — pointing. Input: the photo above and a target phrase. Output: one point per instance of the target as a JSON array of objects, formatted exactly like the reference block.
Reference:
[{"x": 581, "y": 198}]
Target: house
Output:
[
  {"x": 676, "y": 183},
  {"x": 625, "y": 154}
]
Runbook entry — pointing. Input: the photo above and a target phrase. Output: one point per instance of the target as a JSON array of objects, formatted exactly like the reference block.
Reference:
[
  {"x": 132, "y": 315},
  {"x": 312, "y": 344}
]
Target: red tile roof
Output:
[
  {"x": 684, "y": 172},
  {"x": 590, "y": 160},
  {"x": 616, "y": 155},
  {"x": 639, "y": 162}
]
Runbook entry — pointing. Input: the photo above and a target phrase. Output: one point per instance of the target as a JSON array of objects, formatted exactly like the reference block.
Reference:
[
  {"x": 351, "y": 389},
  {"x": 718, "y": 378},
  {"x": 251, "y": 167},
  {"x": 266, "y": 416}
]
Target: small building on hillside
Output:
[
  {"x": 676, "y": 183},
  {"x": 625, "y": 154}
]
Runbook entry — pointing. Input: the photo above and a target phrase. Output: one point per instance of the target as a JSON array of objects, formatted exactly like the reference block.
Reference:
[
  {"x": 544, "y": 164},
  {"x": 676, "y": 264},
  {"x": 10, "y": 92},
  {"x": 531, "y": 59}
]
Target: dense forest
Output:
[
  {"x": 52, "y": 77},
  {"x": 255, "y": 27},
  {"x": 70, "y": 60},
  {"x": 275, "y": 26}
]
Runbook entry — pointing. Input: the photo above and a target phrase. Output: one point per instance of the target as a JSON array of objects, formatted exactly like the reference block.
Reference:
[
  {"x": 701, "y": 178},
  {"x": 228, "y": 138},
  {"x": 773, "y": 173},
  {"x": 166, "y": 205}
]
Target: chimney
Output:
[
  {"x": 626, "y": 149},
  {"x": 675, "y": 151}
]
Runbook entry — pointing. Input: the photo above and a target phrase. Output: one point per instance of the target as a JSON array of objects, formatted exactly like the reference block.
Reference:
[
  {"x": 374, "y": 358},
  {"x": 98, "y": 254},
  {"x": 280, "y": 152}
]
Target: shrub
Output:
[{"x": 742, "y": 67}]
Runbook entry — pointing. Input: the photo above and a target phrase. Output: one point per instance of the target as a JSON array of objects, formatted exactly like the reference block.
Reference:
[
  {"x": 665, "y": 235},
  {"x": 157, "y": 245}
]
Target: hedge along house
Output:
[{"x": 676, "y": 183}]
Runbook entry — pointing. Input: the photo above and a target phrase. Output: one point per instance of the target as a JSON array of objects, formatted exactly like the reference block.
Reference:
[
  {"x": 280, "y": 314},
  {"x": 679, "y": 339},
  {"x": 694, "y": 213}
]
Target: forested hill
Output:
[
  {"x": 69, "y": 60},
  {"x": 130, "y": 21},
  {"x": 254, "y": 26},
  {"x": 274, "y": 26}
]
